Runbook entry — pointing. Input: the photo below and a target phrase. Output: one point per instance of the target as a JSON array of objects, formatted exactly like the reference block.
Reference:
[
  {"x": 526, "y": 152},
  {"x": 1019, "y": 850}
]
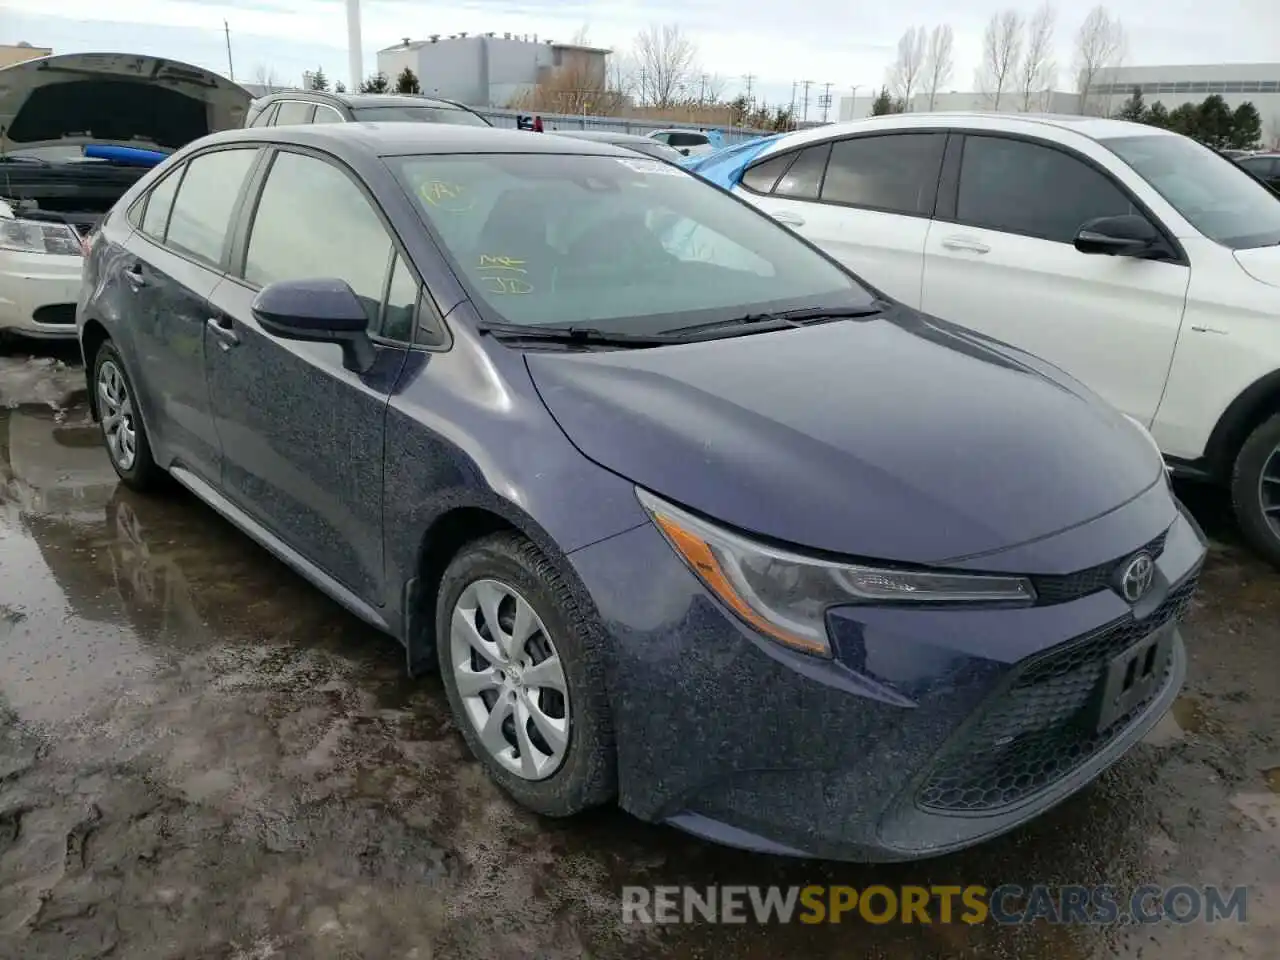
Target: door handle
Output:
[
  {"x": 790, "y": 219},
  {"x": 966, "y": 243},
  {"x": 134, "y": 275},
  {"x": 223, "y": 330}
]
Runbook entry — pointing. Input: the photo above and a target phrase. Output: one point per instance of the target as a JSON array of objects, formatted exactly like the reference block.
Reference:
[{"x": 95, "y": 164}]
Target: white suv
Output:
[{"x": 1142, "y": 263}]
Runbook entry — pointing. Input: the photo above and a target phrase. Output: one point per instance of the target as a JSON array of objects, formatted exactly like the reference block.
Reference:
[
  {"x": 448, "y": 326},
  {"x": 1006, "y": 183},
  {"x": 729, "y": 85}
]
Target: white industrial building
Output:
[
  {"x": 1257, "y": 83},
  {"x": 488, "y": 70},
  {"x": 1236, "y": 83}
]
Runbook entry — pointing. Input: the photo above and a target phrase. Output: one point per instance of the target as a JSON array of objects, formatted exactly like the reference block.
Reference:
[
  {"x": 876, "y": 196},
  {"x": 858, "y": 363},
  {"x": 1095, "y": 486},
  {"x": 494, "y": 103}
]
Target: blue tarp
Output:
[
  {"x": 132, "y": 156},
  {"x": 724, "y": 167}
]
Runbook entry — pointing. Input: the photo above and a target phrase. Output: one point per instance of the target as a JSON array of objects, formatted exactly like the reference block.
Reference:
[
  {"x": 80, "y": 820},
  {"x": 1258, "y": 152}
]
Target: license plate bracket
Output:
[{"x": 1133, "y": 676}]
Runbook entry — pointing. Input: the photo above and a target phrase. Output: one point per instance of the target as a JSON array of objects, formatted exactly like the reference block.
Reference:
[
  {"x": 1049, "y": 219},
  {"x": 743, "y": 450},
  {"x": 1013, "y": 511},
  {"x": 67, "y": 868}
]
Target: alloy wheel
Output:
[
  {"x": 115, "y": 405},
  {"x": 510, "y": 679},
  {"x": 1269, "y": 491}
]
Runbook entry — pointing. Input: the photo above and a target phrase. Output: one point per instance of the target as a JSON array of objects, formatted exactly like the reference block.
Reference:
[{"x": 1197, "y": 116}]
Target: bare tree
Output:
[
  {"x": 266, "y": 78},
  {"x": 665, "y": 57},
  {"x": 906, "y": 70},
  {"x": 1001, "y": 54},
  {"x": 937, "y": 61},
  {"x": 1100, "y": 45},
  {"x": 1037, "y": 72}
]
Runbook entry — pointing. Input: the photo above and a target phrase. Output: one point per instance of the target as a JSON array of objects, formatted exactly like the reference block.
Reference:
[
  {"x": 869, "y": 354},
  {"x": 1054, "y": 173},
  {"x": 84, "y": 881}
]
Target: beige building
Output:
[{"x": 20, "y": 52}]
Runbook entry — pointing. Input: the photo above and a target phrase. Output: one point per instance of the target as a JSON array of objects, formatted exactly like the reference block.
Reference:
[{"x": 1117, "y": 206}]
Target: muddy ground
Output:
[{"x": 203, "y": 757}]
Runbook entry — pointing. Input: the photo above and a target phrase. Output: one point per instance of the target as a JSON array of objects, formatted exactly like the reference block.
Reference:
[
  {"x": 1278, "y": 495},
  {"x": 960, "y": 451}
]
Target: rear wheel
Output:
[
  {"x": 1255, "y": 490},
  {"x": 524, "y": 677},
  {"x": 122, "y": 428}
]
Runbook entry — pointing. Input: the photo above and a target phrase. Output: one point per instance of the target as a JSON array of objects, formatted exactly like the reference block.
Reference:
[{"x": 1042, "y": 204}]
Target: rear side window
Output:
[
  {"x": 687, "y": 139},
  {"x": 764, "y": 175},
  {"x": 804, "y": 177},
  {"x": 159, "y": 203},
  {"x": 1259, "y": 166},
  {"x": 326, "y": 115},
  {"x": 206, "y": 198},
  {"x": 1019, "y": 187},
  {"x": 896, "y": 173},
  {"x": 294, "y": 237},
  {"x": 292, "y": 112},
  {"x": 263, "y": 119}
]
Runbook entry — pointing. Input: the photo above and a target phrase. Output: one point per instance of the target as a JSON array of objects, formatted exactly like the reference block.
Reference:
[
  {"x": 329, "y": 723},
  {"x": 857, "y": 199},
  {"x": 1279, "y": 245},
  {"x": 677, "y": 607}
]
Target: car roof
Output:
[
  {"x": 408, "y": 138},
  {"x": 602, "y": 136},
  {"x": 1095, "y": 128},
  {"x": 359, "y": 99}
]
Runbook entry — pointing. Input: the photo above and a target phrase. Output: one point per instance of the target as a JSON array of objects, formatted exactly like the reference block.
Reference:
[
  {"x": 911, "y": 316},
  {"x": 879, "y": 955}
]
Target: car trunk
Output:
[{"x": 52, "y": 107}]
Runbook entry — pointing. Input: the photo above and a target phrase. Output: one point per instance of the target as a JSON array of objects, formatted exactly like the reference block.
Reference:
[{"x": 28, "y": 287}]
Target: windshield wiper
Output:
[
  {"x": 778, "y": 319},
  {"x": 587, "y": 336}
]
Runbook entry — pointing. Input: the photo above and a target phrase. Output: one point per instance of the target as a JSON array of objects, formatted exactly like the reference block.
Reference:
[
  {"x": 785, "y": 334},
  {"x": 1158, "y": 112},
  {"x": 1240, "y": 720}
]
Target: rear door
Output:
[
  {"x": 1000, "y": 259},
  {"x": 178, "y": 255},
  {"x": 303, "y": 435},
  {"x": 865, "y": 200}
]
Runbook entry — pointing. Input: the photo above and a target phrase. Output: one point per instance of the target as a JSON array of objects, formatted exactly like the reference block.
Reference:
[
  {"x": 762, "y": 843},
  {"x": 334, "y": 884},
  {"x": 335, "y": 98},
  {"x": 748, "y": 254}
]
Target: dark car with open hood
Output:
[
  {"x": 688, "y": 516},
  {"x": 55, "y": 112}
]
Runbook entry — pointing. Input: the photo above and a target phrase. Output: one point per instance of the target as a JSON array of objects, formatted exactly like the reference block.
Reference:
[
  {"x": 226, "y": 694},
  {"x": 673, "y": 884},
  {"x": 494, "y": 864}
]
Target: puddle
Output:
[
  {"x": 1272, "y": 778},
  {"x": 1189, "y": 714}
]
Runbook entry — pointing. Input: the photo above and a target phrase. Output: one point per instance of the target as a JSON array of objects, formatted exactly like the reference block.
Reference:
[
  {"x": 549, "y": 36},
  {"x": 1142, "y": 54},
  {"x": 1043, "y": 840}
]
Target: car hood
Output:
[
  {"x": 113, "y": 98},
  {"x": 896, "y": 438},
  {"x": 1261, "y": 263}
]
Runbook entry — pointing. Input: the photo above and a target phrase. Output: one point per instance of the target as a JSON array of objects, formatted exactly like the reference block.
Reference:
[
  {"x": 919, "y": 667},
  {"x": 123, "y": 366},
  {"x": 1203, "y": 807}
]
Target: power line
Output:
[
  {"x": 750, "y": 79},
  {"x": 826, "y": 101},
  {"x": 804, "y": 112}
]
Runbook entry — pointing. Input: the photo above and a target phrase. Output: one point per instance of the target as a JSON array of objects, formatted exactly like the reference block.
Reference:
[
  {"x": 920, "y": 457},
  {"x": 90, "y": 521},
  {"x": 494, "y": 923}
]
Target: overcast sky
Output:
[{"x": 824, "y": 41}]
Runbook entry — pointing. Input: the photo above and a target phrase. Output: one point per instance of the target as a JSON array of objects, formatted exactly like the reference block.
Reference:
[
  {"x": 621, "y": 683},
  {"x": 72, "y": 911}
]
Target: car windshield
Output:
[
  {"x": 413, "y": 113},
  {"x": 654, "y": 149},
  {"x": 624, "y": 244},
  {"x": 1211, "y": 192}
]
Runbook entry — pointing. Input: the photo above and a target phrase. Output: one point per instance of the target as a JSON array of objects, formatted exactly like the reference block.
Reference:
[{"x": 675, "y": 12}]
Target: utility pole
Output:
[
  {"x": 804, "y": 111},
  {"x": 750, "y": 79},
  {"x": 794, "y": 84},
  {"x": 231, "y": 70},
  {"x": 826, "y": 101}
]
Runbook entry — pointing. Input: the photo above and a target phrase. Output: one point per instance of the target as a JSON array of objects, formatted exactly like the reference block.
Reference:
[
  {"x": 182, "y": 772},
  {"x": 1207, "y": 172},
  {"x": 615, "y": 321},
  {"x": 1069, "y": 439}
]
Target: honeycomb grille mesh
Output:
[
  {"x": 1072, "y": 586},
  {"x": 1034, "y": 732}
]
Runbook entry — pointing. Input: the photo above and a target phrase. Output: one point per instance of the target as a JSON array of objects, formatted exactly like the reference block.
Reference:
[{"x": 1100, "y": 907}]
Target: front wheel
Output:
[
  {"x": 524, "y": 676},
  {"x": 1255, "y": 490},
  {"x": 122, "y": 430}
]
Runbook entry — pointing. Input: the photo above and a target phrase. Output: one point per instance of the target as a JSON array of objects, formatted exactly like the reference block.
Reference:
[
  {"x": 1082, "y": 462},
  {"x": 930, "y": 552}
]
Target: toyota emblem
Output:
[{"x": 1137, "y": 577}]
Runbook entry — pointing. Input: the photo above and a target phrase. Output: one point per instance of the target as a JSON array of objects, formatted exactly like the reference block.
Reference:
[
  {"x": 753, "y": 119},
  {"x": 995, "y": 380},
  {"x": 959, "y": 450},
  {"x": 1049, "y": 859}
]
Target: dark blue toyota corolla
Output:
[{"x": 687, "y": 515}]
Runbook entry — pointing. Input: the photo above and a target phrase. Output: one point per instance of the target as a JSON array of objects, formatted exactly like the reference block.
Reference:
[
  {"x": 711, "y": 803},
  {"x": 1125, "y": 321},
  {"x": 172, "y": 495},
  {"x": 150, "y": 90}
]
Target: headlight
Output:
[
  {"x": 786, "y": 595},
  {"x": 39, "y": 236}
]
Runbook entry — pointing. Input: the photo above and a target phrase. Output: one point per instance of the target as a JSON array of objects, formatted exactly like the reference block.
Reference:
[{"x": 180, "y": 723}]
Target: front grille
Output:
[
  {"x": 1073, "y": 586},
  {"x": 1035, "y": 730}
]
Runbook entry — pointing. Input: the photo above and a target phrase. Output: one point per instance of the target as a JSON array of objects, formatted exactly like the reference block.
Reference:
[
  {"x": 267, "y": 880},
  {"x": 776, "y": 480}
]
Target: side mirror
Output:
[
  {"x": 1130, "y": 235},
  {"x": 317, "y": 311}
]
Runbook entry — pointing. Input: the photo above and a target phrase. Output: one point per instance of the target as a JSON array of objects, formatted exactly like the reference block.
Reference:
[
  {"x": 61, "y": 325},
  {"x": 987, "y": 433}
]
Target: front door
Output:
[
  {"x": 1005, "y": 265},
  {"x": 302, "y": 435}
]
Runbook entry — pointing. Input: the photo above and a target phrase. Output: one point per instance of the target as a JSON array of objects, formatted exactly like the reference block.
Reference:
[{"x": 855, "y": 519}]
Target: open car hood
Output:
[{"x": 114, "y": 98}]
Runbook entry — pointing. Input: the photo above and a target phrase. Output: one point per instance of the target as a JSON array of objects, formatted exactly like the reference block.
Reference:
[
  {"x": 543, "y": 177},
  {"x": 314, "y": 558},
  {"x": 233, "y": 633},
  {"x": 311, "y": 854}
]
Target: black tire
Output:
[
  {"x": 587, "y": 776},
  {"x": 142, "y": 473},
  {"x": 1246, "y": 481}
]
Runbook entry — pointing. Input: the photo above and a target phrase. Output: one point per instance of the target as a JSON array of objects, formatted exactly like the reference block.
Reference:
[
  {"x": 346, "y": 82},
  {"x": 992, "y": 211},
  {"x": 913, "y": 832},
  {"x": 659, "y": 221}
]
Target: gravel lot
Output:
[{"x": 203, "y": 757}]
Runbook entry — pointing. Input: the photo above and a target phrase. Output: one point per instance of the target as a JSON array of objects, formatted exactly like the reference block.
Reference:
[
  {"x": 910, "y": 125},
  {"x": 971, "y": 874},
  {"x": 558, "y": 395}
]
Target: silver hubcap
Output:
[
  {"x": 510, "y": 679},
  {"x": 116, "y": 407}
]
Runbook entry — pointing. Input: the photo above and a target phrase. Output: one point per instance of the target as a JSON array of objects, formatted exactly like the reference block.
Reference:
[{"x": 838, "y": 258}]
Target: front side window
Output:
[
  {"x": 206, "y": 198},
  {"x": 293, "y": 112},
  {"x": 413, "y": 113},
  {"x": 401, "y": 312},
  {"x": 897, "y": 173},
  {"x": 1211, "y": 192},
  {"x": 1020, "y": 187},
  {"x": 159, "y": 203},
  {"x": 628, "y": 244},
  {"x": 312, "y": 223}
]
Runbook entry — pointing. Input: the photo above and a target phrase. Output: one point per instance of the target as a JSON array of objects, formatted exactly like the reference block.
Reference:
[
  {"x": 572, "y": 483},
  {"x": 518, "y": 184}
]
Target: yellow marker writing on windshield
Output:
[
  {"x": 447, "y": 196},
  {"x": 501, "y": 263}
]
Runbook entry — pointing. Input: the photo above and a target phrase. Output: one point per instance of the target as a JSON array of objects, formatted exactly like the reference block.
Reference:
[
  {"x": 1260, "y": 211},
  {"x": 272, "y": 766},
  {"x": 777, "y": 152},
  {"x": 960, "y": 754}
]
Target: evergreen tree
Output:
[
  {"x": 883, "y": 103},
  {"x": 407, "y": 82},
  {"x": 1135, "y": 108},
  {"x": 1157, "y": 116},
  {"x": 377, "y": 83},
  {"x": 1246, "y": 127},
  {"x": 318, "y": 80}
]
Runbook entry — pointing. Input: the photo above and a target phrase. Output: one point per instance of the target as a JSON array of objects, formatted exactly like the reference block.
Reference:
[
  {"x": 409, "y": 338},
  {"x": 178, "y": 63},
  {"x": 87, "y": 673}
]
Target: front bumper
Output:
[
  {"x": 38, "y": 294},
  {"x": 727, "y": 735}
]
